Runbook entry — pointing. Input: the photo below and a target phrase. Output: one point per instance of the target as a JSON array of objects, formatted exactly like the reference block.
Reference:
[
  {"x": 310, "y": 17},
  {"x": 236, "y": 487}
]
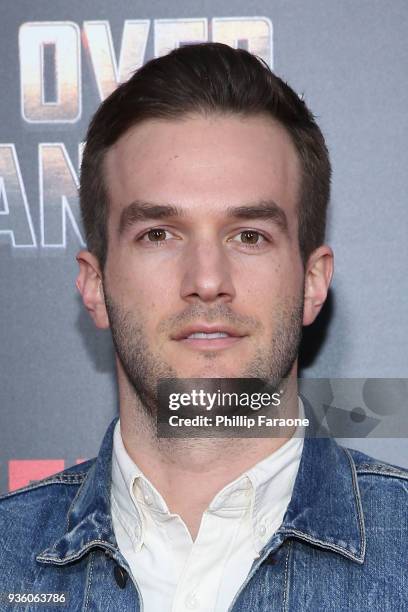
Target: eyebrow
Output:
[
  {"x": 265, "y": 209},
  {"x": 142, "y": 211}
]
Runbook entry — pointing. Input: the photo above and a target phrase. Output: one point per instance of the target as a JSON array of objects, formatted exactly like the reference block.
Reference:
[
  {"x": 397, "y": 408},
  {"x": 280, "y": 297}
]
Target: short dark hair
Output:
[{"x": 205, "y": 78}]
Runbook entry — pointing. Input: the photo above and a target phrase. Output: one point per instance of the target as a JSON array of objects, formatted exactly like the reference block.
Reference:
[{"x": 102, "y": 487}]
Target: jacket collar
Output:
[
  {"x": 89, "y": 522},
  {"x": 325, "y": 509}
]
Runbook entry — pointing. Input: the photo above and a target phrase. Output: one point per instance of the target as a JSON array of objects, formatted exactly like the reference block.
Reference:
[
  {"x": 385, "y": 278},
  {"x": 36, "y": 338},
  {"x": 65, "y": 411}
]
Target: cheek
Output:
[
  {"x": 158, "y": 295},
  {"x": 290, "y": 276},
  {"x": 133, "y": 280},
  {"x": 271, "y": 284},
  {"x": 151, "y": 298}
]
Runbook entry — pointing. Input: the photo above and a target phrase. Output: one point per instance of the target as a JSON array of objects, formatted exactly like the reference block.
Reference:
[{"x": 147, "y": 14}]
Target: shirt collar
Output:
[
  {"x": 263, "y": 492},
  {"x": 325, "y": 508}
]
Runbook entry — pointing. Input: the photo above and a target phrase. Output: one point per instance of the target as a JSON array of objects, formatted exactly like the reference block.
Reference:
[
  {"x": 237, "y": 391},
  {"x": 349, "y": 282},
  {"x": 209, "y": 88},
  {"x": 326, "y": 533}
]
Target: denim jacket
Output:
[{"x": 342, "y": 544}]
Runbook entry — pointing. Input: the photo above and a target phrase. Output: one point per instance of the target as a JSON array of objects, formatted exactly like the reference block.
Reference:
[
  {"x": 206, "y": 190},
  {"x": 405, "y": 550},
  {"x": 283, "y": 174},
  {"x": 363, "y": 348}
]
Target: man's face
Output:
[{"x": 203, "y": 239}]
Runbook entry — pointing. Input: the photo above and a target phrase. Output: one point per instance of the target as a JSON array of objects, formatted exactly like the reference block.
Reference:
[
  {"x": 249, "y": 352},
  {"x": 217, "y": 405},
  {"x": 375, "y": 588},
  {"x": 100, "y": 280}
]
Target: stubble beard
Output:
[{"x": 144, "y": 369}]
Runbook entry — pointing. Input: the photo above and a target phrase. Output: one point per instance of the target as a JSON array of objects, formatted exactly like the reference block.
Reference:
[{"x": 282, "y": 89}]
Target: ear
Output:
[
  {"x": 89, "y": 284},
  {"x": 318, "y": 275}
]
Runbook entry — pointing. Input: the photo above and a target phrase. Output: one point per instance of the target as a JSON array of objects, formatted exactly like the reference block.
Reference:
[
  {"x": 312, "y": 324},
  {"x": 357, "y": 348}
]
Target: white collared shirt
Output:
[{"x": 175, "y": 574}]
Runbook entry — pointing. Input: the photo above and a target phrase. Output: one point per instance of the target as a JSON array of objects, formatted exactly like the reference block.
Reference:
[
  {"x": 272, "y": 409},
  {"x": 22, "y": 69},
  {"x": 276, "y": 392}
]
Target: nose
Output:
[{"x": 207, "y": 273}]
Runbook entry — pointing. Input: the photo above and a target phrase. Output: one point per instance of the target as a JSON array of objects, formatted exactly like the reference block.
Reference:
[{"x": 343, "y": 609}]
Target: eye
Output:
[
  {"x": 250, "y": 238},
  {"x": 155, "y": 235}
]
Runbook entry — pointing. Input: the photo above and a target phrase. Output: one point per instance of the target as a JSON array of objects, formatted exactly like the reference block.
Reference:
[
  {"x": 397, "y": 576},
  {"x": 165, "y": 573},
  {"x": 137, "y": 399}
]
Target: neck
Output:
[{"x": 188, "y": 473}]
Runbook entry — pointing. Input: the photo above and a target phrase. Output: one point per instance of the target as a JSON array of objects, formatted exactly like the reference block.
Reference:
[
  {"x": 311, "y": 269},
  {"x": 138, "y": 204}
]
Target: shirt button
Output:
[
  {"x": 148, "y": 499},
  {"x": 261, "y": 530},
  {"x": 191, "y": 602}
]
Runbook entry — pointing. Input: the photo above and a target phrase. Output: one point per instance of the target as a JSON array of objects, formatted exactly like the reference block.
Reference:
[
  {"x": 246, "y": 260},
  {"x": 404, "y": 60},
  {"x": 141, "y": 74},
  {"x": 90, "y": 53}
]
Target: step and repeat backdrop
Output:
[{"x": 59, "y": 60}]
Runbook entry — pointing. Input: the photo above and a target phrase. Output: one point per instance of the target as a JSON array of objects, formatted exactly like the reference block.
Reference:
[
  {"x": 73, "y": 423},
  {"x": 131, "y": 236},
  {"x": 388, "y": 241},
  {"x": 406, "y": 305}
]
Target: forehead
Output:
[{"x": 204, "y": 164}]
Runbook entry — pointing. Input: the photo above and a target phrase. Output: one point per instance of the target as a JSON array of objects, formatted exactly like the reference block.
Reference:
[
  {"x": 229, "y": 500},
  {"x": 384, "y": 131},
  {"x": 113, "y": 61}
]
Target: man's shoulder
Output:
[
  {"x": 370, "y": 466},
  {"x": 33, "y": 518},
  {"x": 381, "y": 485},
  {"x": 59, "y": 488}
]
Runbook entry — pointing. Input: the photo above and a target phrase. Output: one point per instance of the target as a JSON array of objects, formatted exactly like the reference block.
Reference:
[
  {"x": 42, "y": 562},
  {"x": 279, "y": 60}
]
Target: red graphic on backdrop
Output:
[{"x": 22, "y": 472}]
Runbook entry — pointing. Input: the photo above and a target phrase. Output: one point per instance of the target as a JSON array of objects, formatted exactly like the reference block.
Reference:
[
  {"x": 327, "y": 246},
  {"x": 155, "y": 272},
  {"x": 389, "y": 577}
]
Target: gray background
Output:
[{"x": 350, "y": 60}]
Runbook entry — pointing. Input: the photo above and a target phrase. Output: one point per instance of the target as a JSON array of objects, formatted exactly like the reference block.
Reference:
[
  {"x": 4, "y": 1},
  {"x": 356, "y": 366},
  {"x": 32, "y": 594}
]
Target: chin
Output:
[{"x": 214, "y": 371}]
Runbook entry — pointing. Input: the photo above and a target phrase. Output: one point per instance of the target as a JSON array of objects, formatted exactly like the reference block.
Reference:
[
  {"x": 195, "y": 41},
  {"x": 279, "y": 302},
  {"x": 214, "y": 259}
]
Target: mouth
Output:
[{"x": 204, "y": 337}]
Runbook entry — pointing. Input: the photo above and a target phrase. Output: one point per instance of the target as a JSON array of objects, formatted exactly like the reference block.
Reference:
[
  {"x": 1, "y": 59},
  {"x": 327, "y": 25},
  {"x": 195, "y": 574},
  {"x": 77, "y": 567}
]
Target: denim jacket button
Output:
[
  {"x": 270, "y": 560},
  {"x": 120, "y": 576}
]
